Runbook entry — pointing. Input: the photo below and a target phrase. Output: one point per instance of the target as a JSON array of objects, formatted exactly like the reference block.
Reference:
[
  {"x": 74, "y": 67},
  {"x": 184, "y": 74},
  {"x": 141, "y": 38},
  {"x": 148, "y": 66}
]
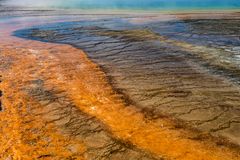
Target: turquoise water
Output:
[
  {"x": 152, "y": 4},
  {"x": 133, "y": 4}
]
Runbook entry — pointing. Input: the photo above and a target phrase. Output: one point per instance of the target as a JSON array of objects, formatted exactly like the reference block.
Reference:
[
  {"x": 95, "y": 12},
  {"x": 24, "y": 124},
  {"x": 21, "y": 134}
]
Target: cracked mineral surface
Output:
[
  {"x": 185, "y": 68},
  {"x": 134, "y": 87}
]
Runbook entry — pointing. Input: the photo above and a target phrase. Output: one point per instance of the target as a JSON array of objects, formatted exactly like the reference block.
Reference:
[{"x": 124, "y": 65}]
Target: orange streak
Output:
[{"x": 68, "y": 69}]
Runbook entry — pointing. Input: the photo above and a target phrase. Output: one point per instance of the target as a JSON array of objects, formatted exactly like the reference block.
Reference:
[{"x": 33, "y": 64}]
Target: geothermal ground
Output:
[{"x": 122, "y": 86}]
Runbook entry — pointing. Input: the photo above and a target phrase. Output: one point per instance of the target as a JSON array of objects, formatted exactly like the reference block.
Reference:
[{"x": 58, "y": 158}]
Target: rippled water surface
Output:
[{"x": 188, "y": 68}]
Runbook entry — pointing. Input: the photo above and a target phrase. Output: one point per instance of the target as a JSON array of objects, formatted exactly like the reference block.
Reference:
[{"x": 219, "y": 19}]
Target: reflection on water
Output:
[{"x": 184, "y": 68}]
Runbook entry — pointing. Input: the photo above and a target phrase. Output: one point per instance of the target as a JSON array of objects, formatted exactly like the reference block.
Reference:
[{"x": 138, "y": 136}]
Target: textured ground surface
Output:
[
  {"x": 57, "y": 104},
  {"x": 186, "y": 68}
]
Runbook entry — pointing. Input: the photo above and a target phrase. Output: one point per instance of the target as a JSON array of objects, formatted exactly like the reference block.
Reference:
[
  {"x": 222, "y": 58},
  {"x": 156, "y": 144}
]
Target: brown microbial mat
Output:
[{"x": 123, "y": 86}]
